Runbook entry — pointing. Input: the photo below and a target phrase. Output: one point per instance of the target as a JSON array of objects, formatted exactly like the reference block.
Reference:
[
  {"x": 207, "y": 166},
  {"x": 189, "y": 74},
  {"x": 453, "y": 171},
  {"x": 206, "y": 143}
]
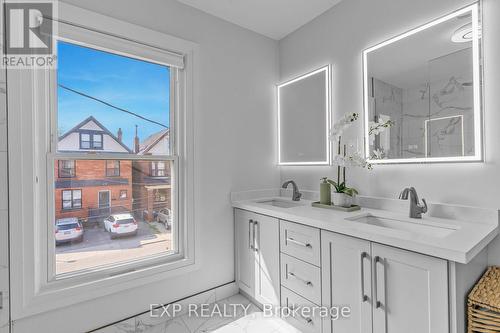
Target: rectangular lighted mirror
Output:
[
  {"x": 422, "y": 93},
  {"x": 304, "y": 119}
]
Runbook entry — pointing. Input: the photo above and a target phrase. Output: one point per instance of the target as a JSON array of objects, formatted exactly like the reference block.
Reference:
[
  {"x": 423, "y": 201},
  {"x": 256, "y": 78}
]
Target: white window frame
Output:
[{"x": 31, "y": 171}]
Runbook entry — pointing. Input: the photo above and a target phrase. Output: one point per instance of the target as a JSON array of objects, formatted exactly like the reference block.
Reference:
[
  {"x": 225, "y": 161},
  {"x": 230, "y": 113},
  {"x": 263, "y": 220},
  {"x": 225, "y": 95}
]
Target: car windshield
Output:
[
  {"x": 67, "y": 226},
  {"x": 125, "y": 221}
]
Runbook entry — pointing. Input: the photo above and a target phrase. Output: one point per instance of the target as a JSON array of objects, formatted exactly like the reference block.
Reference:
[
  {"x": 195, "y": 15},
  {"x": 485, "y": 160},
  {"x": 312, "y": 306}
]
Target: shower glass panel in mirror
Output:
[{"x": 422, "y": 93}]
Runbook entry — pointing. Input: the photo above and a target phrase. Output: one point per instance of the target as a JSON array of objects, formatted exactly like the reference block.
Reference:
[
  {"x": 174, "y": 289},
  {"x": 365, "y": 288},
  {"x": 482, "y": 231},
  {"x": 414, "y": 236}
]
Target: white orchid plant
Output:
[{"x": 344, "y": 160}]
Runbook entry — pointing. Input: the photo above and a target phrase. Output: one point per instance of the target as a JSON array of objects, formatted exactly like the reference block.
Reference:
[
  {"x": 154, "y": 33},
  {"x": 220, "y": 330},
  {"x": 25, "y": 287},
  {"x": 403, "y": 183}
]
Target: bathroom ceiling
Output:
[{"x": 271, "y": 18}]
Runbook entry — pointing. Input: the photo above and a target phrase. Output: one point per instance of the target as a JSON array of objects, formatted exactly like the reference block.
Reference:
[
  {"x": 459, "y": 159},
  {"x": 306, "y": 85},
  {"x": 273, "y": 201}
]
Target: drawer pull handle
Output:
[
  {"x": 307, "y": 283},
  {"x": 308, "y": 320},
  {"x": 291, "y": 240}
]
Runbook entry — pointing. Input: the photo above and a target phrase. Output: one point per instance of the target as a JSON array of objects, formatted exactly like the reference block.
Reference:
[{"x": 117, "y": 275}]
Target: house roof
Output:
[
  {"x": 104, "y": 129},
  {"x": 152, "y": 141}
]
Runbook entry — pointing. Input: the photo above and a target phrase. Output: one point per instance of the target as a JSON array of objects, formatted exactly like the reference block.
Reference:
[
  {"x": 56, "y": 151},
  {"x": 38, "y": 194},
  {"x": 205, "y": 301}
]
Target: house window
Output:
[
  {"x": 160, "y": 195},
  {"x": 90, "y": 140},
  {"x": 158, "y": 169},
  {"x": 71, "y": 199},
  {"x": 112, "y": 168},
  {"x": 125, "y": 123},
  {"x": 67, "y": 169}
]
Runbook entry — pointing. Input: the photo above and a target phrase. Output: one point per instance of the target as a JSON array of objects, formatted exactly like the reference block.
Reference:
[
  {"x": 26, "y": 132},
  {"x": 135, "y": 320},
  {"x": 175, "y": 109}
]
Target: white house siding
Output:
[
  {"x": 72, "y": 143},
  {"x": 161, "y": 148}
]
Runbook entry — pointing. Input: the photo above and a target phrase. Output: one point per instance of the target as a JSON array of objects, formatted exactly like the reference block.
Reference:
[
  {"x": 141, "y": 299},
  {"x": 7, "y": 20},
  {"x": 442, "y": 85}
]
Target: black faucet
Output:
[
  {"x": 416, "y": 209},
  {"x": 296, "y": 194}
]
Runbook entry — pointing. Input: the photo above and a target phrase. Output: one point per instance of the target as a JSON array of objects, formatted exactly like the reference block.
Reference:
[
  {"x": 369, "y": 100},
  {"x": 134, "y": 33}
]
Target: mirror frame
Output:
[
  {"x": 477, "y": 91},
  {"x": 328, "y": 118}
]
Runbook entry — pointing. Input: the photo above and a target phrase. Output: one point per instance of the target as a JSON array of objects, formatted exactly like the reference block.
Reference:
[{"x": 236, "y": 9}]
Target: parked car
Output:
[
  {"x": 122, "y": 224},
  {"x": 164, "y": 216},
  {"x": 68, "y": 230}
]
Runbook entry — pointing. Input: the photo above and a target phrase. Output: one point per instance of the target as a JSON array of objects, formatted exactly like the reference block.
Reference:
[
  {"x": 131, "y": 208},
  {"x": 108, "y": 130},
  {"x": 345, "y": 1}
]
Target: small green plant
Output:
[{"x": 342, "y": 188}]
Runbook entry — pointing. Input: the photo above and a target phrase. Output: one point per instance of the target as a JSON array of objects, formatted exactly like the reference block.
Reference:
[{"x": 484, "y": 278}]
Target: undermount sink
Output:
[
  {"x": 417, "y": 227},
  {"x": 280, "y": 203}
]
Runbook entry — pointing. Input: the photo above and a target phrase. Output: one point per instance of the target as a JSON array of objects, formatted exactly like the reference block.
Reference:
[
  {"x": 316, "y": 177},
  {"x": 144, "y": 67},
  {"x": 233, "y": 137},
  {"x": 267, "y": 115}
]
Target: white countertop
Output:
[{"x": 475, "y": 227}]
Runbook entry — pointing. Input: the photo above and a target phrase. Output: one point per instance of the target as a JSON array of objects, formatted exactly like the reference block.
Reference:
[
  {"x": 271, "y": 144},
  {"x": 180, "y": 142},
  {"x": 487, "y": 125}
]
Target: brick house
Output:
[
  {"x": 151, "y": 189},
  {"x": 91, "y": 188}
]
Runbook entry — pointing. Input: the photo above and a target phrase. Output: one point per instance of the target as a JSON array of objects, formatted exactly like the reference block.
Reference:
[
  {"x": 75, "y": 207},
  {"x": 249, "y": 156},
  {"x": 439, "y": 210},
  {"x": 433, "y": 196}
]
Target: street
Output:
[{"x": 98, "y": 249}]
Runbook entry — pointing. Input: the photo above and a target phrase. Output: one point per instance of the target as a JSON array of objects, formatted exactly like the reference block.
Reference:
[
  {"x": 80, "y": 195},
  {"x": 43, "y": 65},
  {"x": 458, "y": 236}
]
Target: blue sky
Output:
[{"x": 131, "y": 84}]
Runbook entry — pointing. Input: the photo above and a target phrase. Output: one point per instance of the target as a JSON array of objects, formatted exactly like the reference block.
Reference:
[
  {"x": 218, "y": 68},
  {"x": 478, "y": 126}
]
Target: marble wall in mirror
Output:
[
  {"x": 304, "y": 118},
  {"x": 422, "y": 93}
]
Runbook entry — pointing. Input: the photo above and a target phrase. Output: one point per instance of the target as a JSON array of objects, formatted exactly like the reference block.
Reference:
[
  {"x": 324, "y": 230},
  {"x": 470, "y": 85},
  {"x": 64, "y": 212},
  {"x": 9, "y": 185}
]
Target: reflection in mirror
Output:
[
  {"x": 422, "y": 93},
  {"x": 304, "y": 118}
]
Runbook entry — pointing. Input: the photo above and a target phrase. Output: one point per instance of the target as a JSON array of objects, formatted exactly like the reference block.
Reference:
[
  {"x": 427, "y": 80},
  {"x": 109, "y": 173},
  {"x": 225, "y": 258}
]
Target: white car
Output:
[
  {"x": 122, "y": 224},
  {"x": 68, "y": 230},
  {"x": 164, "y": 216}
]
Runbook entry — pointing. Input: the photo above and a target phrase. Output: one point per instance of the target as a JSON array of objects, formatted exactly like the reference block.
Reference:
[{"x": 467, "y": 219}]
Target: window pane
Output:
[
  {"x": 120, "y": 103},
  {"x": 134, "y": 196}
]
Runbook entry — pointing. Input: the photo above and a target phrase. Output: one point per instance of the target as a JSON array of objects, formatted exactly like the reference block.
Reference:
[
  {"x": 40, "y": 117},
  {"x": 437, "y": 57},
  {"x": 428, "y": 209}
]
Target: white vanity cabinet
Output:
[
  {"x": 257, "y": 256},
  {"x": 389, "y": 290}
]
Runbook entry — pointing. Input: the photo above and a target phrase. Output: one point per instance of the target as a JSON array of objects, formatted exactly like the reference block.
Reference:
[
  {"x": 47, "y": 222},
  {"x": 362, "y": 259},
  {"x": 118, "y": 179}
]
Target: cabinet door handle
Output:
[
  {"x": 307, "y": 283},
  {"x": 364, "y": 298},
  {"x": 250, "y": 238},
  {"x": 377, "y": 260},
  {"x": 291, "y": 240},
  {"x": 255, "y": 223}
]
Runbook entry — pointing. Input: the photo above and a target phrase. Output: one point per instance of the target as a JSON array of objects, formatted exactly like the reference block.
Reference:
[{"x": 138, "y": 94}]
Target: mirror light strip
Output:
[
  {"x": 478, "y": 150},
  {"x": 327, "y": 71}
]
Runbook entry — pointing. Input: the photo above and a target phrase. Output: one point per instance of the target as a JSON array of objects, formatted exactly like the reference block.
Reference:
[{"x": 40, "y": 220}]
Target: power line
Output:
[{"x": 110, "y": 105}]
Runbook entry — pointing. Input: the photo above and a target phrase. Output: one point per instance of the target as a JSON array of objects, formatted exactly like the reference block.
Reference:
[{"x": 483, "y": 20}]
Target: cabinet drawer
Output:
[
  {"x": 303, "y": 322},
  {"x": 300, "y": 241},
  {"x": 301, "y": 277}
]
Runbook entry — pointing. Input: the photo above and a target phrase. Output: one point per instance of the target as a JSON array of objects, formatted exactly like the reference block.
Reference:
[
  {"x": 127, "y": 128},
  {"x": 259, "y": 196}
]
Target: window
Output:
[
  {"x": 158, "y": 169},
  {"x": 90, "y": 141},
  {"x": 142, "y": 130},
  {"x": 71, "y": 199},
  {"x": 67, "y": 169},
  {"x": 112, "y": 168},
  {"x": 47, "y": 277},
  {"x": 161, "y": 195}
]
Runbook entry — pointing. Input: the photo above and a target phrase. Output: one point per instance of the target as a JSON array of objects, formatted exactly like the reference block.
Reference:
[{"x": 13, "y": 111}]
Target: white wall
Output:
[
  {"x": 234, "y": 126},
  {"x": 4, "y": 234},
  {"x": 338, "y": 37}
]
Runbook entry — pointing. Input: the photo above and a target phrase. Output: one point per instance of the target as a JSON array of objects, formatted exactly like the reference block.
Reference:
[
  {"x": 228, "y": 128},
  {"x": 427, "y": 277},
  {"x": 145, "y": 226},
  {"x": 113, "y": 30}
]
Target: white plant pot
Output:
[{"x": 341, "y": 199}]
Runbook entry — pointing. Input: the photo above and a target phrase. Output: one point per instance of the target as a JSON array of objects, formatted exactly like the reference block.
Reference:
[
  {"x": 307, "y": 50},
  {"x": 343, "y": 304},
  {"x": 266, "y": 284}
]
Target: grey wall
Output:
[
  {"x": 234, "y": 125},
  {"x": 338, "y": 37}
]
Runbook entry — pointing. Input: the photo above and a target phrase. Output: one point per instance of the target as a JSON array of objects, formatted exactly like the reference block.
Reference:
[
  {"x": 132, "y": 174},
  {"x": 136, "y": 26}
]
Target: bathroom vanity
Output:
[{"x": 396, "y": 274}]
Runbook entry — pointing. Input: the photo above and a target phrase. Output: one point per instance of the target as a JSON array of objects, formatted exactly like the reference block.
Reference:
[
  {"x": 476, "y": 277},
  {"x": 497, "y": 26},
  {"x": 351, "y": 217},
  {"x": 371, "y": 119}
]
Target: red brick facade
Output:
[
  {"x": 90, "y": 177},
  {"x": 151, "y": 193}
]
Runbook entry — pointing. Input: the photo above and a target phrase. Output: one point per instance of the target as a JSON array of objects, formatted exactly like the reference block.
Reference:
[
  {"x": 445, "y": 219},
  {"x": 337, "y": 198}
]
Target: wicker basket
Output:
[{"x": 484, "y": 303}]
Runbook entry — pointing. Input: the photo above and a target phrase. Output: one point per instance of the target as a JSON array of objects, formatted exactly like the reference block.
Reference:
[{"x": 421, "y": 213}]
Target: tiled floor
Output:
[{"x": 253, "y": 321}]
